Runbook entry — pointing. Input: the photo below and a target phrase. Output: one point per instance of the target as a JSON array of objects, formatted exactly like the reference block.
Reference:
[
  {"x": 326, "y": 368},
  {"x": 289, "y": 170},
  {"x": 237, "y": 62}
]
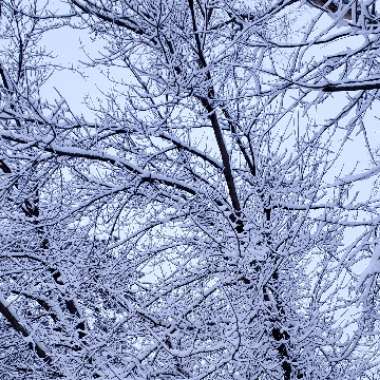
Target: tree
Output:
[{"x": 196, "y": 227}]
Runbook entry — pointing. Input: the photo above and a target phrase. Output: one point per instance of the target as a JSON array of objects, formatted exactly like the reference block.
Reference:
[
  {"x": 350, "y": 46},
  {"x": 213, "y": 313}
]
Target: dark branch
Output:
[{"x": 354, "y": 86}]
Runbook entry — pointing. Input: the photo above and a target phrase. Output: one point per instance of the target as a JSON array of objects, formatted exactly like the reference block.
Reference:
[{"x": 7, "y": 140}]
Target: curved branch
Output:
[{"x": 74, "y": 152}]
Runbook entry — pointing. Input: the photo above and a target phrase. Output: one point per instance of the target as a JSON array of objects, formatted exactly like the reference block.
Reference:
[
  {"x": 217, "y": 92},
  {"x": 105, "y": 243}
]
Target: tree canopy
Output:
[{"x": 213, "y": 210}]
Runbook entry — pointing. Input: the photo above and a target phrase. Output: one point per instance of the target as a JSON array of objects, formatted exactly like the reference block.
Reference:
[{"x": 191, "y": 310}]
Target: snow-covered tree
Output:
[{"x": 197, "y": 224}]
